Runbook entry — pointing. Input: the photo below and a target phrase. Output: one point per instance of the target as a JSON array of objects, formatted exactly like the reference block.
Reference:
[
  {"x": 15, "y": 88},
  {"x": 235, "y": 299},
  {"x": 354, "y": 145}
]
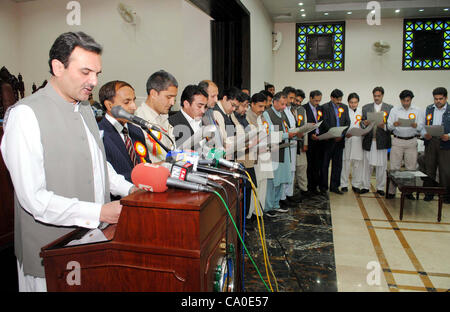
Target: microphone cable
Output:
[
  {"x": 240, "y": 238},
  {"x": 262, "y": 235}
]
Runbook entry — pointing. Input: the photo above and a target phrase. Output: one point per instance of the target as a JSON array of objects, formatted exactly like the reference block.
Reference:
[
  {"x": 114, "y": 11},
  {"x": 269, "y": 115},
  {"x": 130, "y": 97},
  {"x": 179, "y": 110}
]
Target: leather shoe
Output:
[
  {"x": 344, "y": 189},
  {"x": 410, "y": 197},
  {"x": 337, "y": 191},
  {"x": 428, "y": 197},
  {"x": 382, "y": 193},
  {"x": 356, "y": 190},
  {"x": 363, "y": 191},
  {"x": 446, "y": 200},
  {"x": 390, "y": 196}
]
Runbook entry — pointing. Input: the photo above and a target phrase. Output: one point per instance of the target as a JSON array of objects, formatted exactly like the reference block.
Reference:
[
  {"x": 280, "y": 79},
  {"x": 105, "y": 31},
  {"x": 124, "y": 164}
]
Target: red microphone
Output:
[
  {"x": 155, "y": 178},
  {"x": 150, "y": 177}
]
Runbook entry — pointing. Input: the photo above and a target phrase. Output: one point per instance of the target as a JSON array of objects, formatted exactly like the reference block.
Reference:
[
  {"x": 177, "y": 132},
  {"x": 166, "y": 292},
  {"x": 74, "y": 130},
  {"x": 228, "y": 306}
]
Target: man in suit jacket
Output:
[
  {"x": 188, "y": 120},
  {"x": 301, "y": 162},
  {"x": 437, "y": 149},
  {"x": 335, "y": 114},
  {"x": 314, "y": 153},
  {"x": 124, "y": 142},
  {"x": 376, "y": 143}
]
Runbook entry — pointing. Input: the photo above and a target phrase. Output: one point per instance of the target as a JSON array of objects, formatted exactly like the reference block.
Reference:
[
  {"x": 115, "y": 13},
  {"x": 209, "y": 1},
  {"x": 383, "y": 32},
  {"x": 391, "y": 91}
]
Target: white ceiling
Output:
[{"x": 288, "y": 11}]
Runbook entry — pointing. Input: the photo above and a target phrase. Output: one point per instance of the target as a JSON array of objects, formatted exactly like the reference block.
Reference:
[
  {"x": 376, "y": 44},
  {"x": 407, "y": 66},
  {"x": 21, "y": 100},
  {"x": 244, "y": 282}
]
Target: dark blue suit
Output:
[{"x": 116, "y": 152}]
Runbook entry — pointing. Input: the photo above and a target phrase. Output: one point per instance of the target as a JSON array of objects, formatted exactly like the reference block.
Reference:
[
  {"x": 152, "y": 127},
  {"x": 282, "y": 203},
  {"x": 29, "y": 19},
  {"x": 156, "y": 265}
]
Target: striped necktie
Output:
[{"x": 129, "y": 146}]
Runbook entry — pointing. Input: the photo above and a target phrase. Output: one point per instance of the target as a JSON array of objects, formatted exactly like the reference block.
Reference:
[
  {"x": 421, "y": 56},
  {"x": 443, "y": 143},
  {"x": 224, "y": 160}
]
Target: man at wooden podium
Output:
[{"x": 56, "y": 158}]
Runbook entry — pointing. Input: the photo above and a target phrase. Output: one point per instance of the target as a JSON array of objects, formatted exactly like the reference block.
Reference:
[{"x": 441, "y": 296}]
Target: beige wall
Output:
[
  {"x": 8, "y": 37},
  {"x": 262, "y": 61},
  {"x": 363, "y": 68},
  {"x": 162, "y": 39}
]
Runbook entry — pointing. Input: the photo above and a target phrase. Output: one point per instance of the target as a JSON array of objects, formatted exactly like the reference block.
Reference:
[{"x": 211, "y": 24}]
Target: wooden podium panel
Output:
[
  {"x": 171, "y": 241},
  {"x": 6, "y": 204}
]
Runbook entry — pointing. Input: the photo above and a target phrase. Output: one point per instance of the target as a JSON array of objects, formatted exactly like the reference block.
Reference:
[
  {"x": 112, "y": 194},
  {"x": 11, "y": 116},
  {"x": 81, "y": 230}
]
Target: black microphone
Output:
[
  {"x": 119, "y": 112},
  {"x": 221, "y": 171},
  {"x": 229, "y": 164},
  {"x": 208, "y": 162},
  {"x": 183, "y": 171}
]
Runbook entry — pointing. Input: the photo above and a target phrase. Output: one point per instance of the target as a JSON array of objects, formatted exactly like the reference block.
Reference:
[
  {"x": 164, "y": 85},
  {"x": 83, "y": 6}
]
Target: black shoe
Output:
[
  {"x": 271, "y": 214},
  {"x": 363, "y": 191},
  {"x": 281, "y": 209},
  {"x": 428, "y": 197},
  {"x": 380, "y": 192},
  {"x": 446, "y": 200},
  {"x": 336, "y": 190},
  {"x": 344, "y": 189},
  {"x": 356, "y": 190},
  {"x": 314, "y": 192},
  {"x": 410, "y": 197},
  {"x": 390, "y": 196}
]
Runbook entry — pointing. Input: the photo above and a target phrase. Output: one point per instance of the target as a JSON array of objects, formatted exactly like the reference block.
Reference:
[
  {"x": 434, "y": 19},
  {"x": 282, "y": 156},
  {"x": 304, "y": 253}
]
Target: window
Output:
[
  {"x": 426, "y": 44},
  {"x": 320, "y": 46}
]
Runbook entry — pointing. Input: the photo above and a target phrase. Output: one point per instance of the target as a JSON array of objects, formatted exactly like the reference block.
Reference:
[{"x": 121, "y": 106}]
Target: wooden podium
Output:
[{"x": 171, "y": 241}]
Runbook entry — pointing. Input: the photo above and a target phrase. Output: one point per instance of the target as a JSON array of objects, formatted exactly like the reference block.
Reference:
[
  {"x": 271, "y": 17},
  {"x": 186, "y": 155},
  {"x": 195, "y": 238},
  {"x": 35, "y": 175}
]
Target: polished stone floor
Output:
[
  {"x": 300, "y": 249},
  {"x": 355, "y": 243}
]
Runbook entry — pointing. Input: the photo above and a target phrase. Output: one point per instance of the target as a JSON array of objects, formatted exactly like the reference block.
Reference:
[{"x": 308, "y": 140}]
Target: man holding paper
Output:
[
  {"x": 281, "y": 159},
  {"x": 335, "y": 114},
  {"x": 314, "y": 153},
  {"x": 405, "y": 122},
  {"x": 437, "y": 148},
  {"x": 353, "y": 153},
  {"x": 376, "y": 142}
]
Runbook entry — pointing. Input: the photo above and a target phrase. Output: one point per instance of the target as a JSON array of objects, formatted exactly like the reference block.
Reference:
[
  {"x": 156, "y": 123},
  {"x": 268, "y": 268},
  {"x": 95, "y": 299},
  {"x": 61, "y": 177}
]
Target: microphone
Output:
[
  {"x": 221, "y": 171},
  {"x": 208, "y": 162},
  {"x": 229, "y": 164},
  {"x": 119, "y": 112},
  {"x": 184, "y": 171},
  {"x": 155, "y": 178}
]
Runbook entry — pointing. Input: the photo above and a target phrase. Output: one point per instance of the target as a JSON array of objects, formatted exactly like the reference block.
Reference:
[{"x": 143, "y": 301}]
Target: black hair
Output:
[
  {"x": 288, "y": 90},
  {"x": 266, "y": 93},
  {"x": 406, "y": 93},
  {"x": 440, "y": 91},
  {"x": 314, "y": 93},
  {"x": 378, "y": 89},
  {"x": 190, "y": 91},
  {"x": 258, "y": 97},
  {"x": 299, "y": 92},
  {"x": 160, "y": 81},
  {"x": 108, "y": 91},
  {"x": 268, "y": 86},
  {"x": 353, "y": 96},
  {"x": 64, "y": 45},
  {"x": 231, "y": 93},
  {"x": 242, "y": 97},
  {"x": 336, "y": 93}
]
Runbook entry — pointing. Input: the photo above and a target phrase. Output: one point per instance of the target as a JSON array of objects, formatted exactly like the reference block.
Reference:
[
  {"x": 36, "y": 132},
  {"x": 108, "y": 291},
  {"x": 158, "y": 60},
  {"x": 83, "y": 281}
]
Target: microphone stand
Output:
[{"x": 156, "y": 139}]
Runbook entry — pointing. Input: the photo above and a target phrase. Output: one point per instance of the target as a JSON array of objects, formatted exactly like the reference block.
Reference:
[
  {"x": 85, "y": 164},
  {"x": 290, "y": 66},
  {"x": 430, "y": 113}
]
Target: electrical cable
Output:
[
  {"x": 240, "y": 238},
  {"x": 262, "y": 235}
]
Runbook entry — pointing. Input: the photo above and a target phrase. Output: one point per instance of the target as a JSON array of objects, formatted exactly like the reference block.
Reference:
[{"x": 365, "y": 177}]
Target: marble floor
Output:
[{"x": 355, "y": 243}]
